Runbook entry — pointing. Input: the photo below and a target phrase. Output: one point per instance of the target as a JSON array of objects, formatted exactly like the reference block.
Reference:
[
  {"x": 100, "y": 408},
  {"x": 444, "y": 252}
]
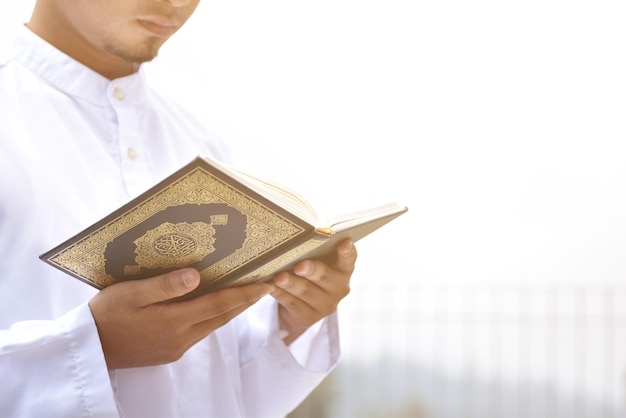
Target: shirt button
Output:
[
  {"x": 118, "y": 93},
  {"x": 132, "y": 154}
]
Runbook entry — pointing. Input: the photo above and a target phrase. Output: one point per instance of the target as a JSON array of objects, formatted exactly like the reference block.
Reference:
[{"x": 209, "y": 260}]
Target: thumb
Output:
[{"x": 167, "y": 286}]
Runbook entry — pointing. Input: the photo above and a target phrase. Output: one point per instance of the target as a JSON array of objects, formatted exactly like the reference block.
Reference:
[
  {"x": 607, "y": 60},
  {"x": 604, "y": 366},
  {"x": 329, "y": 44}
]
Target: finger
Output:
[
  {"x": 226, "y": 303},
  {"x": 301, "y": 295},
  {"x": 204, "y": 328},
  {"x": 230, "y": 303},
  {"x": 344, "y": 261},
  {"x": 302, "y": 287},
  {"x": 161, "y": 288},
  {"x": 346, "y": 256},
  {"x": 290, "y": 291}
]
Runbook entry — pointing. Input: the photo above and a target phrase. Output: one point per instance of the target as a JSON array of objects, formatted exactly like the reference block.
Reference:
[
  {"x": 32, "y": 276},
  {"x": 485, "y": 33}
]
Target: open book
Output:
[{"x": 232, "y": 227}]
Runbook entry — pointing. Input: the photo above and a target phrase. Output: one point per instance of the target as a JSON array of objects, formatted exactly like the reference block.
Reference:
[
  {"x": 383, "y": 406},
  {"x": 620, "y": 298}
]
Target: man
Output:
[{"x": 81, "y": 134}]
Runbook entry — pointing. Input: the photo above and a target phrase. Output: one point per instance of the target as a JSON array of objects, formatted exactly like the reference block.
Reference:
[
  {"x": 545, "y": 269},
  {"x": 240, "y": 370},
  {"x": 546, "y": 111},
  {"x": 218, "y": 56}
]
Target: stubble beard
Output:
[{"x": 136, "y": 54}]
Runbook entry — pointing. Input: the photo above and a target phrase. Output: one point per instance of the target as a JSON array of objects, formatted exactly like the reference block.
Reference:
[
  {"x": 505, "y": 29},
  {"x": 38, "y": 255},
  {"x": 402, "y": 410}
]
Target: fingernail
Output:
[
  {"x": 189, "y": 279},
  {"x": 302, "y": 269},
  {"x": 349, "y": 248},
  {"x": 281, "y": 281}
]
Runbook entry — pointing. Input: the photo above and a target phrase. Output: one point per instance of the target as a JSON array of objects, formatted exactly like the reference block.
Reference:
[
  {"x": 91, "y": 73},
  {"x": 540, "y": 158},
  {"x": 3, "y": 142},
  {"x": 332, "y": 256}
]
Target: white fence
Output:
[{"x": 479, "y": 351}]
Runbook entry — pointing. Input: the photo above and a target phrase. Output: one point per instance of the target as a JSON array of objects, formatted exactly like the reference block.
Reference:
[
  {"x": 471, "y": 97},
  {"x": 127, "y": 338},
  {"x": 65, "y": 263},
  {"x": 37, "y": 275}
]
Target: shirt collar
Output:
[{"x": 70, "y": 76}]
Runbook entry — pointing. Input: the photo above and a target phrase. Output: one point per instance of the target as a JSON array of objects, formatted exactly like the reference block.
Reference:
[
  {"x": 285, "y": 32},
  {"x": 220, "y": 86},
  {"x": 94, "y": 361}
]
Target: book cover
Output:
[{"x": 198, "y": 217}]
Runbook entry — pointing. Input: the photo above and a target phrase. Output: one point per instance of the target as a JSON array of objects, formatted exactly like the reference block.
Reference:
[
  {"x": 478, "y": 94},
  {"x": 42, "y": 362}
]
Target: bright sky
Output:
[{"x": 500, "y": 124}]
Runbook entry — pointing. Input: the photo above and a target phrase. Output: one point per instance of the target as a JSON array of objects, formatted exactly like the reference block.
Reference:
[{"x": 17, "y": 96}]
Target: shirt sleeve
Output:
[
  {"x": 273, "y": 370},
  {"x": 45, "y": 370}
]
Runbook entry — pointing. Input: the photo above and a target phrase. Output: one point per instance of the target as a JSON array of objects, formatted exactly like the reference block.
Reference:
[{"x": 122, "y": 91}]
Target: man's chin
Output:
[{"x": 139, "y": 55}]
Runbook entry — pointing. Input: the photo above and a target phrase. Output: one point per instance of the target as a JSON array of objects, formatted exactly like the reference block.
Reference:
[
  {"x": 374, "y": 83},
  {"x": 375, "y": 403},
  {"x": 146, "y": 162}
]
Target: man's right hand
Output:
[{"x": 139, "y": 325}]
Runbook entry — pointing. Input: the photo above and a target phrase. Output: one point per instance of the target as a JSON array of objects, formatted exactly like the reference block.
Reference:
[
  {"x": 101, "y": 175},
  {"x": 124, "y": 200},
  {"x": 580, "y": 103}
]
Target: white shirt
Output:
[{"x": 74, "y": 146}]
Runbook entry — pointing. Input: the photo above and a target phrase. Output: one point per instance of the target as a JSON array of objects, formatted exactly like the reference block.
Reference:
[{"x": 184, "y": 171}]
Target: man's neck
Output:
[{"x": 63, "y": 38}]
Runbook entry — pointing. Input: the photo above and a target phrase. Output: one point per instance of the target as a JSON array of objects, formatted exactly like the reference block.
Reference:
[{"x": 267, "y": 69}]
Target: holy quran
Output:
[{"x": 232, "y": 227}]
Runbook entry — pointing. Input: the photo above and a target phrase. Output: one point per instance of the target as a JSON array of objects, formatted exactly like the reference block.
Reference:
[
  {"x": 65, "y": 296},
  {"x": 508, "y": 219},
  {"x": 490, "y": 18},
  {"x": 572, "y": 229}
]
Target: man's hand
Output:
[
  {"x": 139, "y": 327},
  {"x": 313, "y": 290}
]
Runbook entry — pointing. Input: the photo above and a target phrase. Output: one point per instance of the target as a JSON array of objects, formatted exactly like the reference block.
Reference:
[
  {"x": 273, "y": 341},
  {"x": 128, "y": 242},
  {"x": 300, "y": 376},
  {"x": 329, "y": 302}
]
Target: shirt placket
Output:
[{"x": 133, "y": 155}]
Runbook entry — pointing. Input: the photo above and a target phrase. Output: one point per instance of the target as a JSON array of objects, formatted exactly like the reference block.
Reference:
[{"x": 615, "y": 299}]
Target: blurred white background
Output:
[{"x": 500, "y": 124}]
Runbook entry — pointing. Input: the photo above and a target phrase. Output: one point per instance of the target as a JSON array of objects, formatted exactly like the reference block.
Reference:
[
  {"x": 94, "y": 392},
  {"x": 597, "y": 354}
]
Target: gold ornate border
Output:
[{"x": 266, "y": 228}]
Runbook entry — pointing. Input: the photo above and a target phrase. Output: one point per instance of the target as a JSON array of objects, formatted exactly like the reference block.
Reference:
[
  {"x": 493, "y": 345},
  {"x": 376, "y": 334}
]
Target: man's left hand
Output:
[{"x": 313, "y": 290}]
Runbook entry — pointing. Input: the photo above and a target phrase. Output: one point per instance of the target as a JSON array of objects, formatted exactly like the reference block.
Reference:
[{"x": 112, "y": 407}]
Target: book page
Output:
[
  {"x": 282, "y": 195},
  {"x": 345, "y": 221}
]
